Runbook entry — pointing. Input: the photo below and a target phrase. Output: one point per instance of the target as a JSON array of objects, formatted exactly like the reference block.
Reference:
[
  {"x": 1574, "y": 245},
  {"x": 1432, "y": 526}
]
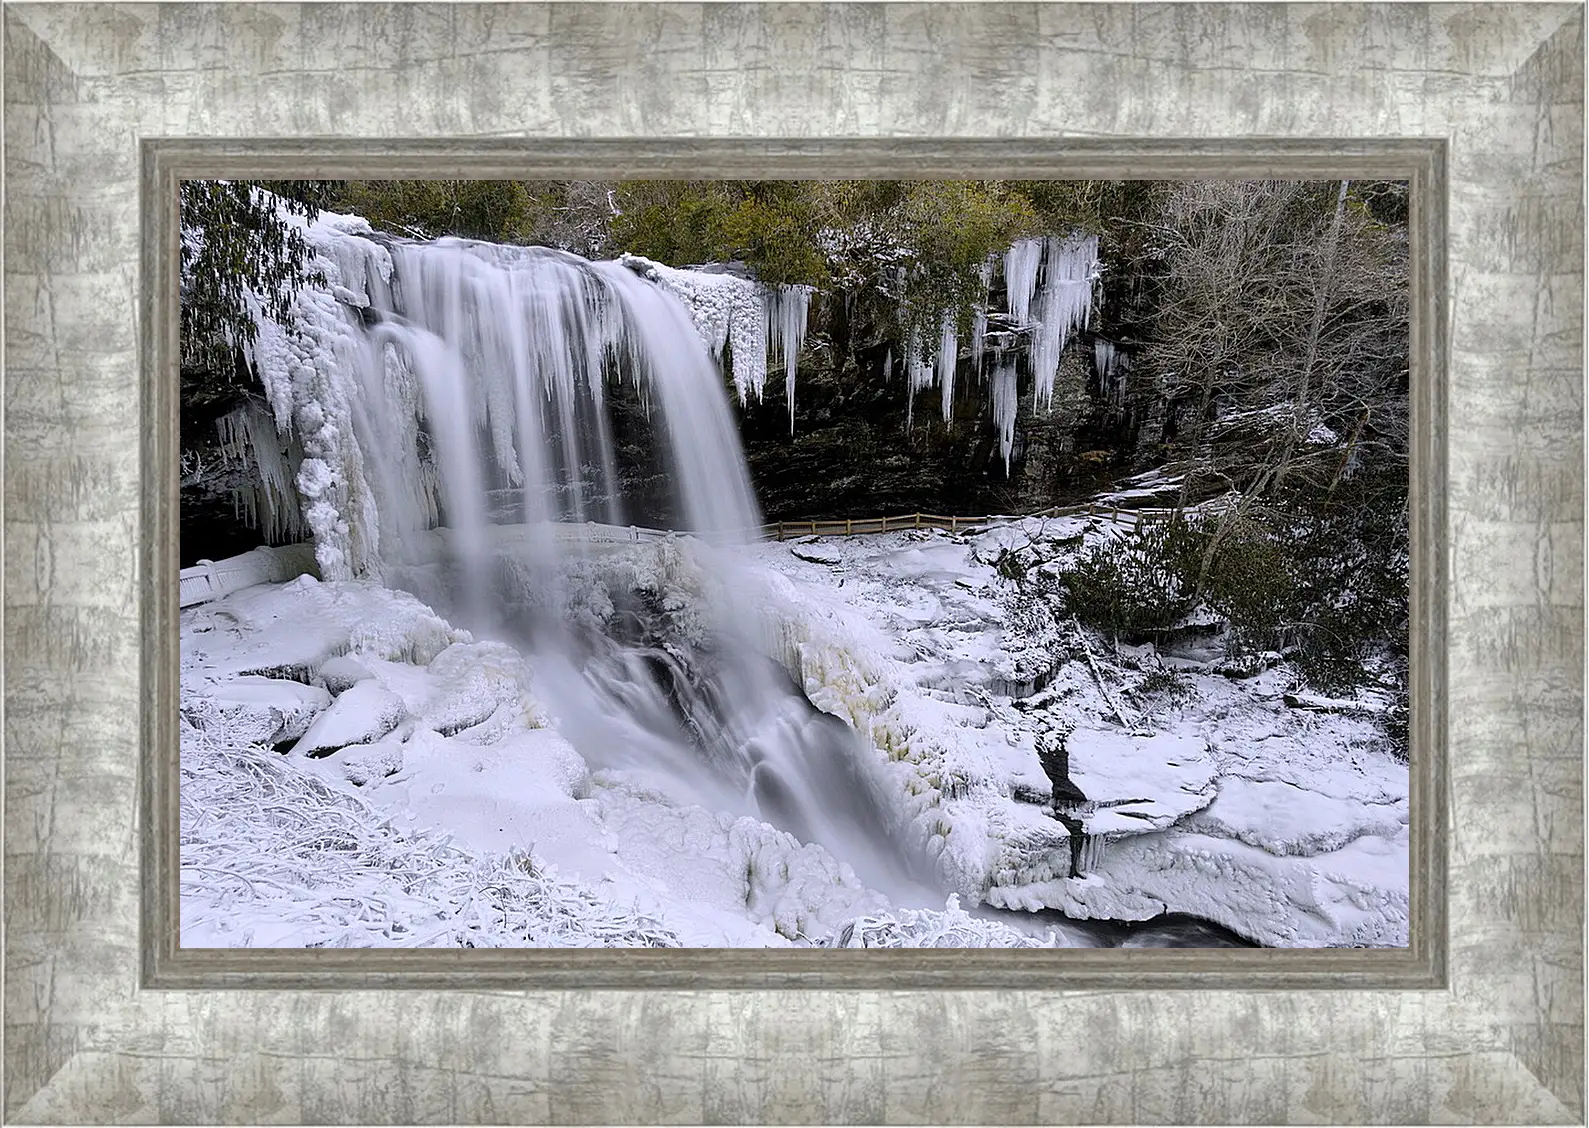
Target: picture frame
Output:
[{"x": 108, "y": 103}]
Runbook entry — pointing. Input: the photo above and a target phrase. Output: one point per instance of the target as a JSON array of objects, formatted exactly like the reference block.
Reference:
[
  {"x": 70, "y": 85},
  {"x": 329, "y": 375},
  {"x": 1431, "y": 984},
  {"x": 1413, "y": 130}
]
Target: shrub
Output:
[{"x": 1140, "y": 581}]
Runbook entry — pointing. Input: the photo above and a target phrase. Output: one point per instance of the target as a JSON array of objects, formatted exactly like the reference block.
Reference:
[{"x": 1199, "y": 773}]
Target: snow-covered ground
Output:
[
  {"x": 1221, "y": 800},
  {"x": 356, "y": 770}
]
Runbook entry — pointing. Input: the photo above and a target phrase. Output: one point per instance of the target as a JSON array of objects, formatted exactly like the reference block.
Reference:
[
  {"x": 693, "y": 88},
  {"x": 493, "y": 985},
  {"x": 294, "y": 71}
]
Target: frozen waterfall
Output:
[
  {"x": 424, "y": 376},
  {"x": 422, "y": 382}
]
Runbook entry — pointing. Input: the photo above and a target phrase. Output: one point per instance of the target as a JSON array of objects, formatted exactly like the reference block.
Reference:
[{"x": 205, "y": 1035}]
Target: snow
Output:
[
  {"x": 299, "y": 625},
  {"x": 361, "y": 715},
  {"x": 1285, "y": 825},
  {"x": 1139, "y": 783},
  {"x": 273, "y": 856},
  {"x": 261, "y": 710},
  {"x": 507, "y": 837},
  {"x": 531, "y": 818},
  {"x": 340, "y": 673}
]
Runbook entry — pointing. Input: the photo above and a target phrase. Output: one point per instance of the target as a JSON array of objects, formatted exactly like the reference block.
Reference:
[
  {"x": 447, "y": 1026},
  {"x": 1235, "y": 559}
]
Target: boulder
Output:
[{"x": 361, "y": 715}]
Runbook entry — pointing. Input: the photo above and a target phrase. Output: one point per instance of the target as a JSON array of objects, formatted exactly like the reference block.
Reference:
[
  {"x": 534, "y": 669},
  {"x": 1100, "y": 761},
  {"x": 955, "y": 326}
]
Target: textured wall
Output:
[{"x": 83, "y": 83}]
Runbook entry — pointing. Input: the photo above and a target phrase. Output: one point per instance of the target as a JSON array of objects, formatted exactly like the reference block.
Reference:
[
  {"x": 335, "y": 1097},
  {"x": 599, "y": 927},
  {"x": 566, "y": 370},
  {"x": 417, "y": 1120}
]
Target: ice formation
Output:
[
  {"x": 757, "y": 322},
  {"x": 918, "y": 373},
  {"x": 267, "y": 500},
  {"x": 979, "y": 316},
  {"x": 1112, "y": 366},
  {"x": 1048, "y": 291},
  {"x": 1063, "y": 306},
  {"x": 1020, "y": 278},
  {"x": 787, "y": 310},
  {"x": 948, "y": 359},
  {"x": 1004, "y": 407},
  {"x": 423, "y": 374}
]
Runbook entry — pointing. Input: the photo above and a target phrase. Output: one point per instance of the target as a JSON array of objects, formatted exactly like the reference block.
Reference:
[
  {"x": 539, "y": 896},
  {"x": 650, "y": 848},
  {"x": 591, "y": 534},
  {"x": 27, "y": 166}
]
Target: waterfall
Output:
[
  {"x": 425, "y": 382},
  {"x": 425, "y": 376}
]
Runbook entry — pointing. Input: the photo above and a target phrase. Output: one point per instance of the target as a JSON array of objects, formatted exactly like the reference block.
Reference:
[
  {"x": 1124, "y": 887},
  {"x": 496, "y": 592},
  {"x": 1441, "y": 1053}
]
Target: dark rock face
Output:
[{"x": 860, "y": 450}]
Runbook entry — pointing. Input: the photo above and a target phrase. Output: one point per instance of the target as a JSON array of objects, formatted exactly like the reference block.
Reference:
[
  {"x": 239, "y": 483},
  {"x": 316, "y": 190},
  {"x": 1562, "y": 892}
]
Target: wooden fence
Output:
[{"x": 870, "y": 526}]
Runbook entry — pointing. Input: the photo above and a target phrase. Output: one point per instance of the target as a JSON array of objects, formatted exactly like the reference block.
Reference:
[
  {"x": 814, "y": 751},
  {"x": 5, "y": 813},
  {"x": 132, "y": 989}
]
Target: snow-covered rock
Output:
[
  {"x": 298, "y": 626},
  {"x": 361, "y": 715},
  {"x": 1134, "y": 784},
  {"x": 260, "y": 710},
  {"x": 1285, "y": 825},
  {"x": 342, "y": 672}
]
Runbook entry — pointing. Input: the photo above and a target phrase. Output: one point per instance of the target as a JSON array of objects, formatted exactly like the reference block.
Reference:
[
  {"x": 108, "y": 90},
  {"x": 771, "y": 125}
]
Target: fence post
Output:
[
  {"x": 952, "y": 520},
  {"x": 849, "y": 525},
  {"x": 918, "y": 520}
]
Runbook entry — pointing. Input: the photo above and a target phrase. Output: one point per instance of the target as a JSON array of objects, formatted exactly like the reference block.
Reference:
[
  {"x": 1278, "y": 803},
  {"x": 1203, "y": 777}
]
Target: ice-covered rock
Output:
[
  {"x": 360, "y": 764},
  {"x": 1285, "y": 825},
  {"x": 342, "y": 672},
  {"x": 361, "y": 715},
  {"x": 297, "y": 627},
  {"x": 1134, "y": 784},
  {"x": 260, "y": 710},
  {"x": 1283, "y": 818}
]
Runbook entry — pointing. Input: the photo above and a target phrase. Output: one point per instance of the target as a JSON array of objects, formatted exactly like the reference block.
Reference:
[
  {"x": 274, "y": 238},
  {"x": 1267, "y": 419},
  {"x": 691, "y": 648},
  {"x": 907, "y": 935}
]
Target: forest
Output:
[{"x": 1186, "y": 403}]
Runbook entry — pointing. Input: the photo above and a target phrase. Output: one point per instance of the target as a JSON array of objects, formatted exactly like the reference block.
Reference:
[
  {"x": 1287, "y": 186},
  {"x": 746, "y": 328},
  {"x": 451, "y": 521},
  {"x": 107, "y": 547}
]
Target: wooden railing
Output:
[{"x": 870, "y": 526}]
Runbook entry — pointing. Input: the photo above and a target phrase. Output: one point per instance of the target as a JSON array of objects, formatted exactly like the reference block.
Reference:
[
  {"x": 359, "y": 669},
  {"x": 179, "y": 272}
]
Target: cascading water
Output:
[{"x": 428, "y": 381}]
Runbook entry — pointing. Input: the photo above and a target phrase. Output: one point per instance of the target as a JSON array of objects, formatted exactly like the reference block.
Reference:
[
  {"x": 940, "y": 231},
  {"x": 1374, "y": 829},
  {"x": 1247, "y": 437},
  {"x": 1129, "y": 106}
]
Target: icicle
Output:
[
  {"x": 1112, "y": 366},
  {"x": 726, "y": 310},
  {"x": 1063, "y": 306},
  {"x": 918, "y": 374},
  {"x": 888, "y": 363},
  {"x": 979, "y": 315},
  {"x": 266, "y": 498},
  {"x": 1005, "y": 402},
  {"x": 1020, "y": 278},
  {"x": 948, "y": 358},
  {"x": 787, "y": 310}
]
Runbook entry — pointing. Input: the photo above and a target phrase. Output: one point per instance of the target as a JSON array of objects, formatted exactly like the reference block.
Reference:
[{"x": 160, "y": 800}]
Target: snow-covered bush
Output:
[
  {"x": 1143, "y": 580},
  {"x": 273, "y": 856}
]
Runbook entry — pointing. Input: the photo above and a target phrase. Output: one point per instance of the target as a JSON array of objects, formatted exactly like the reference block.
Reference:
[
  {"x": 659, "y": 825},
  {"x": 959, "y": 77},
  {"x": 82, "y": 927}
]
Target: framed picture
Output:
[{"x": 589, "y": 609}]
